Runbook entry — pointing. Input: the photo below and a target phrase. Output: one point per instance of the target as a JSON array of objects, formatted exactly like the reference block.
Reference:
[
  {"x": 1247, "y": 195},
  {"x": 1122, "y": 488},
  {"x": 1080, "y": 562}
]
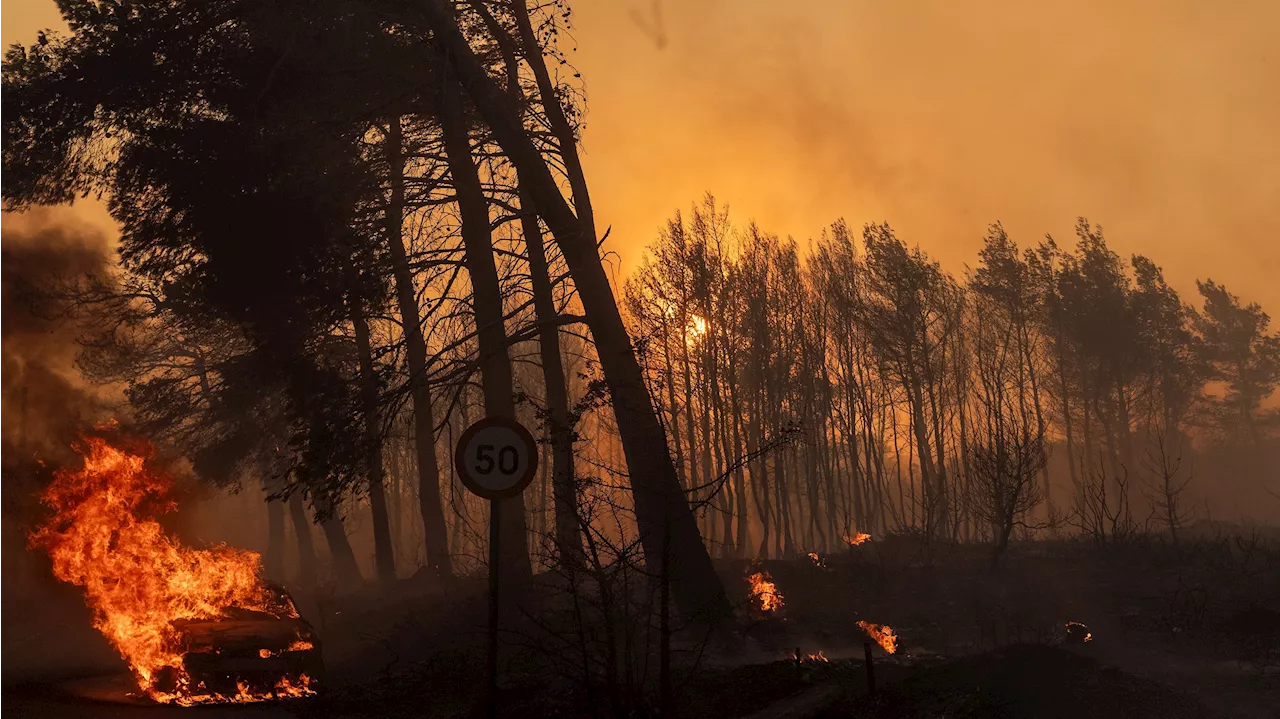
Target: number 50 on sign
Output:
[{"x": 496, "y": 458}]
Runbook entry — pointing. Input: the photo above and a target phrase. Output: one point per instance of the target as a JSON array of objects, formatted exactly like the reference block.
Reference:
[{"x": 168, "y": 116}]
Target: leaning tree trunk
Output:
[
  {"x": 563, "y": 483},
  {"x": 416, "y": 358},
  {"x": 384, "y": 555},
  {"x": 486, "y": 298},
  {"x": 345, "y": 568},
  {"x": 273, "y": 562},
  {"x": 659, "y": 502},
  {"x": 306, "y": 548}
]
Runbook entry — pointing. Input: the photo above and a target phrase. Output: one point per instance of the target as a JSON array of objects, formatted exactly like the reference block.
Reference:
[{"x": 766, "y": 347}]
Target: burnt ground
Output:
[{"x": 1191, "y": 631}]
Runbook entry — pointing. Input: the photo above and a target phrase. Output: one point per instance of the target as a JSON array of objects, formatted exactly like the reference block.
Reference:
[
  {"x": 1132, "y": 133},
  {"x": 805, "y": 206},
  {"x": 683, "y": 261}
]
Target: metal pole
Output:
[
  {"x": 871, "y": 669},
  {"x": 494, "y": 515}
]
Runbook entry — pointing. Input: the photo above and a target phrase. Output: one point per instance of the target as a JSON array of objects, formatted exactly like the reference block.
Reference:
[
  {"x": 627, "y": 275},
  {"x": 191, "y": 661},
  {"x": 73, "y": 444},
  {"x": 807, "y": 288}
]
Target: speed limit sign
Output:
[{"x": 496, "y": 458}]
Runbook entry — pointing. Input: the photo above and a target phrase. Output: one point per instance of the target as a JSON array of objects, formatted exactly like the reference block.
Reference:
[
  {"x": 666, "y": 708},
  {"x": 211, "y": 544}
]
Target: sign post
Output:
[{"x": 495, "y": 458}]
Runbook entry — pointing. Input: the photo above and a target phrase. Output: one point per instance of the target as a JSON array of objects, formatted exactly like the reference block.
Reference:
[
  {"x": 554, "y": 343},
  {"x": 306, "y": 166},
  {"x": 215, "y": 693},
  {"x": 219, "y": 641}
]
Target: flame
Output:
[
  {"x": 814, "y": 658},
  {"x": 764, "y": 591},
  {"x": 857, "y": 538},
  {"x": 137, "y": 578},
  {"x": 882, "y": 634},
  {"x": 817, "y": 560},
  {"x": 300, "y": 645}
]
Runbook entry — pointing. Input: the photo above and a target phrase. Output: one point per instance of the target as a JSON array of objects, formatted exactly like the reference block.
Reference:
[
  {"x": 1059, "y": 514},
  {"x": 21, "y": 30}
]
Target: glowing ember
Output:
[
  {"x": 139, "y": 580},
  {"x": 1078, "y": 633},
  {"x": 882, "y": 634},
  {"x": 857, "y": 538},
  {"x": 300, "y": 645},
  {"x": 764, "y": 592}
]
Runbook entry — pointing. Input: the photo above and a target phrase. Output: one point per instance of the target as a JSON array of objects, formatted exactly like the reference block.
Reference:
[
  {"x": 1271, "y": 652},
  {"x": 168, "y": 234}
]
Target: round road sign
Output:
[{"x": 496, "y": 458}]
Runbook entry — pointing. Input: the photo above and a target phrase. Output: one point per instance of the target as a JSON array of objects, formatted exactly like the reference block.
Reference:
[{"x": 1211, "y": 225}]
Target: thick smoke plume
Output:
[{"x": 42, "y": 401}]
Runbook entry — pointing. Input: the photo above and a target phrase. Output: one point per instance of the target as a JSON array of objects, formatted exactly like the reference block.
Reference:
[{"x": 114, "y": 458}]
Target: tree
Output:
[
  {"x": 415, "y": 357},
  {"x": 661, "y": 509},
  {"x": 1242, "y": 355},
  {"x": 219, "y": 187},
  {"x": 904, "y": 310},
  {"x": 1006, "y": 447},
  {"x": 1007, "y": 279}
]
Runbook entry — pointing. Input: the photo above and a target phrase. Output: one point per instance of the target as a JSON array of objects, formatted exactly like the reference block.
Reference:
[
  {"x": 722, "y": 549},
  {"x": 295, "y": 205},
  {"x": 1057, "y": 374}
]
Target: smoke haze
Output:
[
  {"x": 1153, "y": 118},
  {"x": 45, "y": 400}
]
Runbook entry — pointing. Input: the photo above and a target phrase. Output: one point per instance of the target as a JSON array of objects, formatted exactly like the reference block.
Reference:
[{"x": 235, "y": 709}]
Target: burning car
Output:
[
  {"x": 247, "y": 654},
  {"x": 195, "y": 625}
]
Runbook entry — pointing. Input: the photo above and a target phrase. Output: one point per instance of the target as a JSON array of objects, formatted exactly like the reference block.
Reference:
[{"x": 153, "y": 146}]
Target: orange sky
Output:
[{"x": 1155, "y": 118}]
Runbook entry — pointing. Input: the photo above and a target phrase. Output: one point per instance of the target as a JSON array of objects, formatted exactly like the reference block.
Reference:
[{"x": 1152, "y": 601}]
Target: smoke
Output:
[
  {"x": 45, "y": 402},
  {"x": 1150, "y": 117}
]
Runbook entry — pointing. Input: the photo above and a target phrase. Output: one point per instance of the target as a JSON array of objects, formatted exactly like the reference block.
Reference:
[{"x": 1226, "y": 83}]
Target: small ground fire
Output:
[
  {"x": 857, "y": 538},
  {"x": 151, "y": 596},
  {"x": 764, "y": 593}
]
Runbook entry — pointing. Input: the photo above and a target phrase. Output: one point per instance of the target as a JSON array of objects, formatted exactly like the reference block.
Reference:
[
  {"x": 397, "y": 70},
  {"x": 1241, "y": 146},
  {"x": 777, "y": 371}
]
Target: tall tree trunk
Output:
[
  {"x": 711, "y": 508},
  {"x": 384, "y": 555},
  {"x": 495, "y": 362},
  {"x": 672, "y": 408},
  {"x": 739, "y": 475},
  {"x": 429, "y": 506},
  {"x": 563, "y": 483},
  {"x": 760, "y": 471},
  {"x": 659, "y": 502},
  {"x": 924, "y": 450},
  {"x": 302, "y": 532},
  {"x": 1064, "y": 387},
  {"x": 274, "y": 560},
  {"x": 851, "y": 439},
  {"x": 345, "y": 567},
  {"x": 694, "y": 478},
  {"x": 1034, "y": 376}
]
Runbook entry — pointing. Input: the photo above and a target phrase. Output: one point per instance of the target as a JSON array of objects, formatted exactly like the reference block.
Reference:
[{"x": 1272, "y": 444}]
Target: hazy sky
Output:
[{"x": 1156, "y": 119}]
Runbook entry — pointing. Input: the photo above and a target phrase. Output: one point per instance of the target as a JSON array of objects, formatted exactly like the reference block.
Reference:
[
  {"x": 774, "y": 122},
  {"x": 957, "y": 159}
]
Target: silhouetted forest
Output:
[
  {"x": 351, "y": 229},
  {"x": 923, "y": 402},
  {"x": 332, "y": 261}
]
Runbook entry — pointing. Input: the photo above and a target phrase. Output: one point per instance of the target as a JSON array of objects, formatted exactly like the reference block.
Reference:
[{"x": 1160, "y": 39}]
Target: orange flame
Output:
[
  {"x": 764, "y": 591},
  {"x": 882, "y": 634},
  {"x": 817, "y": 560},
  {"x": 857, "y": 538},
  {"x": 137, "y": 578},
  {"x": 818, "y": 658}
]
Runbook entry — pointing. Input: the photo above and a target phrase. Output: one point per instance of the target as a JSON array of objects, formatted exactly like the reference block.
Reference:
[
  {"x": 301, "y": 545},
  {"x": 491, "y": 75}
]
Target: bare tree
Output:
[{"x": 1167, "y": 481}]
